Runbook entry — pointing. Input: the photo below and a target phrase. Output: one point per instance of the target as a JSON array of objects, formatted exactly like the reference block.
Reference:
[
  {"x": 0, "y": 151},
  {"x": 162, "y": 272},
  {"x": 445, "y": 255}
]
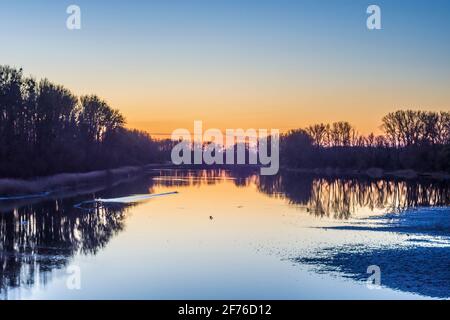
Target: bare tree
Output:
[{"x": 318, "y": 133}]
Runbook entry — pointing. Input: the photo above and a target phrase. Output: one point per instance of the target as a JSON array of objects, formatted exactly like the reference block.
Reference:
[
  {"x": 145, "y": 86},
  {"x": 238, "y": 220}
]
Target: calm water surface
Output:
[{"x": 230, "y": 235}]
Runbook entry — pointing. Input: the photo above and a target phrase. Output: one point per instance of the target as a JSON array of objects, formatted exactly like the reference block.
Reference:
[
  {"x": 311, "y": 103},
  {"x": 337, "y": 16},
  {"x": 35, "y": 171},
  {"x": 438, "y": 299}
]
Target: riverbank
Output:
[
  {"x": 37, "y": 187},
  {"x": 16, "y": 188},
  {"x": 375, "y": 173}
]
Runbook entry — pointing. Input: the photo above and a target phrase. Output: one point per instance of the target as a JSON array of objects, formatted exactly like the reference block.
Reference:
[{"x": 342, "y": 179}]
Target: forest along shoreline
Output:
[{"x": 46, "y": 130}]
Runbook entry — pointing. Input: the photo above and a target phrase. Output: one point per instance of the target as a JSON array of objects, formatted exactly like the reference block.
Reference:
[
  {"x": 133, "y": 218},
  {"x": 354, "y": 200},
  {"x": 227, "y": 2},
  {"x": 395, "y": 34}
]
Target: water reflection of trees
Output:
[
  {"x": 241, "y": 177},
  {"x": 322, "y": 196},
  {"x": 36, "y": 238},
  {"x": 342, "y": 197}
]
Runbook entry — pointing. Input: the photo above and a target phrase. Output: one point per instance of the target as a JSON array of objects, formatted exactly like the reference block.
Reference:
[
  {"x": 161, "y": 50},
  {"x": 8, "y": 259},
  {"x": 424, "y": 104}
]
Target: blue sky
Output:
[{"x": 308, "y": 60}]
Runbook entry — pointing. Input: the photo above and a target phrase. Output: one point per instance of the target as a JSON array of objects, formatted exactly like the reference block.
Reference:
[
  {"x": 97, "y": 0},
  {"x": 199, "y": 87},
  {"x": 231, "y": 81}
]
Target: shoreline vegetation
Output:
[
  {"x": 413, "y": 143},
  {"x": 47, "y": 131},
  {"x": 18, "y": 189}
]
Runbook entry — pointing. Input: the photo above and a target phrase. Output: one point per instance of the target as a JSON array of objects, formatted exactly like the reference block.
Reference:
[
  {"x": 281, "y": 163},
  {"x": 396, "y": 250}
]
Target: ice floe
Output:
[{"x": 124, "y": 200}]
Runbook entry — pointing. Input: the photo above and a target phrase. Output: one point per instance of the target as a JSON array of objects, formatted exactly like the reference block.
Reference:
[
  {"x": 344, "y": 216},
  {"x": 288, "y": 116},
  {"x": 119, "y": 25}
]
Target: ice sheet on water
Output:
[
  {"x": 419, "y": 219},
  {"x": 422, "y": 270},
  {"x": 25, "y": 196},
  {"x": 428, "y": 221},
  {"x": 419, "y": 262},
  {"x": 87, "y": 205},
  {"x": 134, "y": 198}
]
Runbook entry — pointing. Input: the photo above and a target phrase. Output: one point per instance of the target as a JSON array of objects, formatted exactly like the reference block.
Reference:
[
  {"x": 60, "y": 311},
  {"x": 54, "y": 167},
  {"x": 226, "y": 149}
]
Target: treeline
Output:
[
  {"x": 417, "y": 140},
  {"x": 46, "y": 129}
]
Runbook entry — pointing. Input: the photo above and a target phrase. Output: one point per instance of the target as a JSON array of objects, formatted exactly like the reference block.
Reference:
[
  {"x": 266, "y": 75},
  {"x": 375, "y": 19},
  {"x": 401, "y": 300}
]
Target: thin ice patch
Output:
[
  {"x": 419, "y": 263},
  {"x": 416, "y": 269},
  {"x": 420, "y": 221},
  {"x": 122, "y": 200},
  {"x": 135, "y": 198},
  {"x": 25, "y": 196}
]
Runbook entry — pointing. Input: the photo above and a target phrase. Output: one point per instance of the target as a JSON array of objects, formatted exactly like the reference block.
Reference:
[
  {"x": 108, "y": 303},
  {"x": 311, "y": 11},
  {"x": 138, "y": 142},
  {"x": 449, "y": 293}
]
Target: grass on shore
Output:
[{"x": 14, "y": 187}]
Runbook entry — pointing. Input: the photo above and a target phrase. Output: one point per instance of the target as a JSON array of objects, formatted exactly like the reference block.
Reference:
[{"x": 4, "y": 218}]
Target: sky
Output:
[{"x": 238, "y": 64}]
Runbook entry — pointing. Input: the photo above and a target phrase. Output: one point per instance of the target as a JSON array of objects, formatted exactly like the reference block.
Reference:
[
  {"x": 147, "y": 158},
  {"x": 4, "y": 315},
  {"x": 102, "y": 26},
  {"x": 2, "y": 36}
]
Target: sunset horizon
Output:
[
  {"x": 252, "y": 65},
  {"x": 212, "y": 159}
]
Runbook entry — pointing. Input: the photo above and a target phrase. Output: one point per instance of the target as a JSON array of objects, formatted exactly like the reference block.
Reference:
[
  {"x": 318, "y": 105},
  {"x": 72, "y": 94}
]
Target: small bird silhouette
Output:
[{"x": 211, "y": 217}]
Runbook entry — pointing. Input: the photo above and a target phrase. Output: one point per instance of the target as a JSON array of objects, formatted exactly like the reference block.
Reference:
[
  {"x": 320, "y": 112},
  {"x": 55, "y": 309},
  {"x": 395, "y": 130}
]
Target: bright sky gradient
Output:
[{"x": 249, "y": 63}]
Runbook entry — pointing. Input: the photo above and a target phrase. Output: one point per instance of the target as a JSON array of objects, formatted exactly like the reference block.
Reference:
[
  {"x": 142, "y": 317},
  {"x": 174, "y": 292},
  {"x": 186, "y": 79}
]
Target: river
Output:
[{"x": 218, "y": 234}]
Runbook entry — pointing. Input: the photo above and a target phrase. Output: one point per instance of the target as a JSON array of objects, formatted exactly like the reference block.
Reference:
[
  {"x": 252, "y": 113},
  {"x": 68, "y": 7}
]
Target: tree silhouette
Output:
[{"x": 45, "y": 129}]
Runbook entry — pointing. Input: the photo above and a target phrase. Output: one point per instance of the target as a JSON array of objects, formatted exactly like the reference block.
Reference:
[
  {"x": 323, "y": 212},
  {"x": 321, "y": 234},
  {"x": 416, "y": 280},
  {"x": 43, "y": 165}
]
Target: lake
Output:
[{"x": 220, "y": 234}]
